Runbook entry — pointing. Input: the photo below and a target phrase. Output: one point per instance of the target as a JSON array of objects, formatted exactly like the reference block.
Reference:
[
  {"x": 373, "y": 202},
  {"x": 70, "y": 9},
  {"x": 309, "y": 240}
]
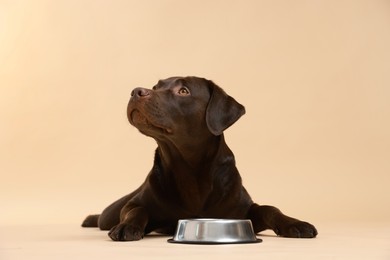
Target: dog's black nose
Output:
[{"x": 140, "y": 92}]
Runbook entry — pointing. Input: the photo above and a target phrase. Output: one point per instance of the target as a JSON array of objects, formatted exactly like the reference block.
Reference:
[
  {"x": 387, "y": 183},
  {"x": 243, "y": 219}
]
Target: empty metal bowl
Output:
[{"x": 214, "y": 231}]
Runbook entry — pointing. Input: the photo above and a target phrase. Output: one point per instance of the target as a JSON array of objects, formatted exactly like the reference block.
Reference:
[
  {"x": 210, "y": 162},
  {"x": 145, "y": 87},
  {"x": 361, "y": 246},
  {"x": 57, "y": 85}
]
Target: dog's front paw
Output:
[
  {"x": 297, "y": 229},
  {"x": 126, "y": 232}
]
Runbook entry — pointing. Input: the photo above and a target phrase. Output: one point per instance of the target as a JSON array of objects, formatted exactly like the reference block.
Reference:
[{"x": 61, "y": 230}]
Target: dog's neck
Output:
[{"x": 193, "y": 153}]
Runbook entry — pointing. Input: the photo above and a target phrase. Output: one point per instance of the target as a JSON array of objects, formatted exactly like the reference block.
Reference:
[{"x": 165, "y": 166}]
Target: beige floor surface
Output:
[{"x": 335, "y": 241}]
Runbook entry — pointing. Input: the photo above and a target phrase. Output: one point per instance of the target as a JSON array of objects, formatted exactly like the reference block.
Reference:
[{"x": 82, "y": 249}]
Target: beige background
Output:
[{"x": 314, "y": 77}]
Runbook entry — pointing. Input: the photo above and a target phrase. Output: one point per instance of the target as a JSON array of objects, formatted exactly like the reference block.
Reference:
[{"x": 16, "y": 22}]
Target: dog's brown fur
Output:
[{"x": 194, "y": 173}]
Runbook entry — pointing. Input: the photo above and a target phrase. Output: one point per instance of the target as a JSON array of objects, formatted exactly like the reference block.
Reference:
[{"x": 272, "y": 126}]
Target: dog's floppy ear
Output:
[{"x": 222, "y": 110}]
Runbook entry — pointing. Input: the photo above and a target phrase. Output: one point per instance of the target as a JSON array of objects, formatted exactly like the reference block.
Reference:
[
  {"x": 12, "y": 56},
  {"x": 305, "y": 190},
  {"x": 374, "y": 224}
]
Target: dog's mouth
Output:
[{"x": 141, "y": 122}]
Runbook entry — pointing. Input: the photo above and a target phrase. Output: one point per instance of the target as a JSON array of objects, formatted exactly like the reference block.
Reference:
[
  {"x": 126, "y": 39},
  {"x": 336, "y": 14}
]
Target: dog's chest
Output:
[{"x": 193, "y": 193}]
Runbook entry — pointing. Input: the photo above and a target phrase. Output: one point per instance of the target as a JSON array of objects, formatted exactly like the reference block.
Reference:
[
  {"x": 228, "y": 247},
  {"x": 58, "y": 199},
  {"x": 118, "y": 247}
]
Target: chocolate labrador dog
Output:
[{"x": 194, "y": 173}]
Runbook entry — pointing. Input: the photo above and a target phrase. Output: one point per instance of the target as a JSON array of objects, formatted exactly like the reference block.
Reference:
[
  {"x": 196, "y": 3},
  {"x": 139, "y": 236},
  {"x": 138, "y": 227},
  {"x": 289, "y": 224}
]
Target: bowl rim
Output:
[{"x": 172, "y": 241}]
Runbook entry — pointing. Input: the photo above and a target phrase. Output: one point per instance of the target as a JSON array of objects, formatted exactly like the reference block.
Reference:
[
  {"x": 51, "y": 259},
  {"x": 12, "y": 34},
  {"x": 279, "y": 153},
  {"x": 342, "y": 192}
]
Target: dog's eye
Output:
[{"x": 183, "y": 91}]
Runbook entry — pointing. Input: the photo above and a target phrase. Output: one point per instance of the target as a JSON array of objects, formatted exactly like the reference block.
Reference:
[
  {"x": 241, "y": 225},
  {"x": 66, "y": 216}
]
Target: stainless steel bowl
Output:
[{"x": 214, "y": 231}]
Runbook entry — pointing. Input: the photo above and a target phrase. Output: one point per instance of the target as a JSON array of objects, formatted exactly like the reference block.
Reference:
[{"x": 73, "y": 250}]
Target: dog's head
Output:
[{"x": 180, "y": 107}]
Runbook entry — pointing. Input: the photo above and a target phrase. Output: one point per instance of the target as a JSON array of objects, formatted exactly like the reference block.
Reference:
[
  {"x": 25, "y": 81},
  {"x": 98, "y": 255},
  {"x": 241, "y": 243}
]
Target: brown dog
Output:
[{"x": 194, "y": 173}]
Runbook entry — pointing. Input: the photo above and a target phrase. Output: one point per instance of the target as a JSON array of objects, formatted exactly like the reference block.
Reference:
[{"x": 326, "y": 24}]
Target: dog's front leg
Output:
[
  {"x": 133, "y": 220},
  {"x": 269, "y": 217}
]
